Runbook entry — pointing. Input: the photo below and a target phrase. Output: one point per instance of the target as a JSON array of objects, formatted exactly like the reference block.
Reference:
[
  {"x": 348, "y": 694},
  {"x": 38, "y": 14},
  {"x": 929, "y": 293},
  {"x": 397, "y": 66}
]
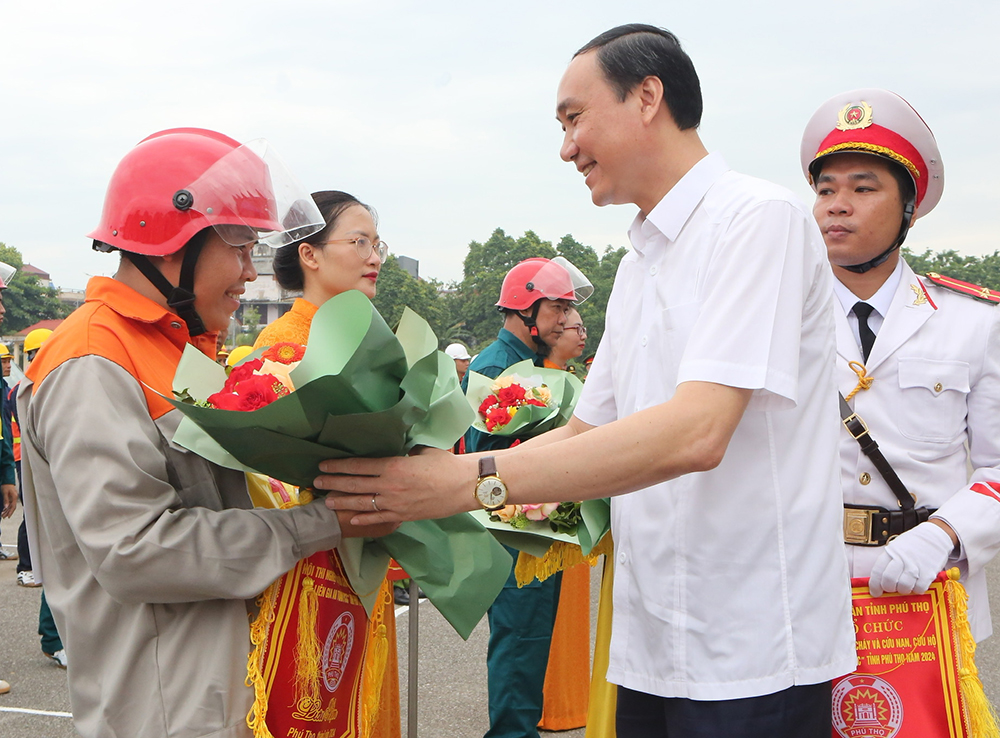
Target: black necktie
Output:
[{"x": 863, "y": 310}]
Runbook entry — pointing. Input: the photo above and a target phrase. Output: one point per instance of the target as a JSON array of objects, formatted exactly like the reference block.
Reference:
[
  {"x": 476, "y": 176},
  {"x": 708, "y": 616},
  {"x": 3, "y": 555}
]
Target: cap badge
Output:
[{"x": 854, "y": 116}]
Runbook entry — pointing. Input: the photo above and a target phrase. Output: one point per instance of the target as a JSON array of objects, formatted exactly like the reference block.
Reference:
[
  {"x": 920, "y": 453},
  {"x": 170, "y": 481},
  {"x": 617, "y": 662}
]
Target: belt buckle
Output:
[{"x": 857, "y": 526}]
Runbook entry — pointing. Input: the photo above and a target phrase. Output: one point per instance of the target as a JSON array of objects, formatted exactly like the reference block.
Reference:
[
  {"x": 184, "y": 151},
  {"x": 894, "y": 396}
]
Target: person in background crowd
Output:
[
  {"x": 713, "y": 393},
  {"x": 51, "y": 643},
  {"x": 8, "y": 500},
  {"x": 918, "y": 358},
  {"x": 535, "y": 298},
  {"x": 570, "y": 345},
  {"x": 5, "y": 359},
  {"x": 347, "y": 254},
  {"x": 152, "y": 556},
  {"x": 460, "y": 354},
  {"x": 567, "y": 676},
  {"x": 8, "y": 478},
  {"x": 25, "y": 575}
]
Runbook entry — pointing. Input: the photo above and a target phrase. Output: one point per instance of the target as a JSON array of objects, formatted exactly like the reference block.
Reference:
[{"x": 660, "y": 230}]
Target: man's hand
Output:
[
  {"x": 9, "y": 492},
  {"x": 370, "y": 493},
  {"x": 909, "y": 563}
]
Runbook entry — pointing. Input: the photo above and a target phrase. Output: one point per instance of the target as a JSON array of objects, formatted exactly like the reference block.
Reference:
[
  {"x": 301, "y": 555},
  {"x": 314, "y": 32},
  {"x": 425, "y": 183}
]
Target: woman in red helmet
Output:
[{"x": 149, "y": 555}]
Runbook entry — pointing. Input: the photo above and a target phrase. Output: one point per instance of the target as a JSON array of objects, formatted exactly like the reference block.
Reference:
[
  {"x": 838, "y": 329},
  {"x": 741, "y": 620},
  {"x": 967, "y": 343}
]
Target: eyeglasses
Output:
[
  {"x": 579, "y": 329},
  {"x": 365, "y": 246}
]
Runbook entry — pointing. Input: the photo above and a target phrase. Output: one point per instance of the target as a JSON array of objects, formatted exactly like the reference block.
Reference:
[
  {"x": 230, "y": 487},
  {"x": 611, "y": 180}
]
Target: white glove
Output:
[{"x": 909, "y": 563}]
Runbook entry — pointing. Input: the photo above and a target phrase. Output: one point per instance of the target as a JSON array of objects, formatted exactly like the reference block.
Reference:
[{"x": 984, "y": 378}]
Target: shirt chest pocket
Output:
[{"x": 933, "y": 399}]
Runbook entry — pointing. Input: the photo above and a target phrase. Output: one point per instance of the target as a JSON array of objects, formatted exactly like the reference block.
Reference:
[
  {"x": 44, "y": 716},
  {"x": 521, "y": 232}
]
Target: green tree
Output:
[
  {"x": 984, "y": 271},
  {"x": 27, "y": 301},
  {"x": 397, "y": 289}
]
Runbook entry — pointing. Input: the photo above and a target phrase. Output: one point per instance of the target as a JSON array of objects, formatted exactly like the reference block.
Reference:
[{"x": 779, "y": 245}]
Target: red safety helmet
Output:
[
  {"x": 177, "y": 182},
  {"x": 534, "y": 279}
]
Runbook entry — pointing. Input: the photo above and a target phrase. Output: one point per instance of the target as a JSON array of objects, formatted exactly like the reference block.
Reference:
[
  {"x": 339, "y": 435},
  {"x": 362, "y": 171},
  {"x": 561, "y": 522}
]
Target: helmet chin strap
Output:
[
  {"x": 180, "y": 298},
  {"x": 904, "y": 228},
  {"x": 532, "y": 326}
]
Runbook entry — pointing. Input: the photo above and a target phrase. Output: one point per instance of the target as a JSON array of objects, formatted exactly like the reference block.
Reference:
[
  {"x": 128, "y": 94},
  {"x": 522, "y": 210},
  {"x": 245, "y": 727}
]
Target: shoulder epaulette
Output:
[{"x": 972, "y": 290}]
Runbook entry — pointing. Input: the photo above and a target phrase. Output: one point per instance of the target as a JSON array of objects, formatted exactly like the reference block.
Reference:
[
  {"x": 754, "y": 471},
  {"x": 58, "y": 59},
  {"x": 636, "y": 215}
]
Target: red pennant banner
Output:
[{"x": 911, "y": 653}]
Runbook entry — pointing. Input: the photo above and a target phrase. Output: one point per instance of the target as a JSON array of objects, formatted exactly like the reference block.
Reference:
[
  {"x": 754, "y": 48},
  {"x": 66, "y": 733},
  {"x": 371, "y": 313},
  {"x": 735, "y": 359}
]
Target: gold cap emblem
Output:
[{"x": 854, "y": 116}]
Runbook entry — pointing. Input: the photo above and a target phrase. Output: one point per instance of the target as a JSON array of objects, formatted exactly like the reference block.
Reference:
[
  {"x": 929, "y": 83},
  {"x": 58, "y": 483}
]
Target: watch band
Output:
[{"x": 487, "y": 466}]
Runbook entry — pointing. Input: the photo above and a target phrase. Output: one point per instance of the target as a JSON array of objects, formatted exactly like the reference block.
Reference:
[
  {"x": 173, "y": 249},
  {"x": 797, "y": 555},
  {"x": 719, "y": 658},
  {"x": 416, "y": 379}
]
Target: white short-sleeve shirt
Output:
[{"x": 729, "y": 583}]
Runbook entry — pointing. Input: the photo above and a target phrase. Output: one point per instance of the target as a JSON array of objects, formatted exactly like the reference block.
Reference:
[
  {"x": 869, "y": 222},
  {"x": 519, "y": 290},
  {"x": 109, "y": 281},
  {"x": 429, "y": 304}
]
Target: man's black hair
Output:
[{"x": 630, "y": 53}]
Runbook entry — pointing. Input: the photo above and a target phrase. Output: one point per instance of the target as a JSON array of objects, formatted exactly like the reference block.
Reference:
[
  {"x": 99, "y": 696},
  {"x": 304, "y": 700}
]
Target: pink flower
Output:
[{"x": 539, "y": 512}]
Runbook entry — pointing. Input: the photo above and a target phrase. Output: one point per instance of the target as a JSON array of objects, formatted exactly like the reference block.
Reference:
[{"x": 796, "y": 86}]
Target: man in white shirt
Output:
[
  {"x": 918, "y": 358},
  {"x": 710, "y": 402}
]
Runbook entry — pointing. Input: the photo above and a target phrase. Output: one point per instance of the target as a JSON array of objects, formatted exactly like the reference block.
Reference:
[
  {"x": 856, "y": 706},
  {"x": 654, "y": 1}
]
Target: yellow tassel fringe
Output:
[
  {"x": 979, "y": 712},
  {"x": 259, "y": 629},
  {"x": 376, "y": 657},
  {"x": 308, "y": 650},
  {"x": 561, "y": 555}
]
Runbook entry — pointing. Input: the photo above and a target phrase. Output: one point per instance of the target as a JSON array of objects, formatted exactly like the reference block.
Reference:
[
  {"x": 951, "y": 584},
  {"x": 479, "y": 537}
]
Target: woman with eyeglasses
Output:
[
  {"x": 567, "y": 675},
  {"x": 570, "y": 344},
  {"x": 347, "y": 254}
]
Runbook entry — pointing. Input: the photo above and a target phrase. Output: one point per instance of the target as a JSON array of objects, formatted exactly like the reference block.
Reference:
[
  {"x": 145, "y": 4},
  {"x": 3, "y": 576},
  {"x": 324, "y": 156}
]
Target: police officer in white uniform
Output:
[{"x": 918, "y": 358}]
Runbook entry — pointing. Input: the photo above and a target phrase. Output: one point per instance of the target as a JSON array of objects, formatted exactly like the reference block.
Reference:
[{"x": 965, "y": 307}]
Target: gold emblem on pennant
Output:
[
  {"x": 854, "y": 116},
  {"x": 921, "y": 297}
]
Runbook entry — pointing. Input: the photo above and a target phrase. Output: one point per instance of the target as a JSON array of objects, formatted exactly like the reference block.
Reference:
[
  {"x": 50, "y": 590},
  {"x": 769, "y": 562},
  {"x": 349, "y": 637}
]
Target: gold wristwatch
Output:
[{"x": 491, "y": 492}]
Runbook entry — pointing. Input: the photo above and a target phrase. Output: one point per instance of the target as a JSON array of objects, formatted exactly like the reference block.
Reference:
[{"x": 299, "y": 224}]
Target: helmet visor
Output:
[
  {"x": 7, "y": 273},
  {"x": 250, "y": 195},
  {"x": 560, "y": 280}
]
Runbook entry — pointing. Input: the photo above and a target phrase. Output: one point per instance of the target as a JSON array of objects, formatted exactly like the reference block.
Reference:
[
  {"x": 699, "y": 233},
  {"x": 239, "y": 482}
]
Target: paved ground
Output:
[{"x": 452, "y": 673}]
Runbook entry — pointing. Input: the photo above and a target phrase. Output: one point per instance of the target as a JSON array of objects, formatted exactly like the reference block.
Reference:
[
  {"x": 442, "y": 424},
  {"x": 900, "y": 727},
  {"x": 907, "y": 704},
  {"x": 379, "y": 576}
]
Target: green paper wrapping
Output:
[{"x": 361, "y": 391}]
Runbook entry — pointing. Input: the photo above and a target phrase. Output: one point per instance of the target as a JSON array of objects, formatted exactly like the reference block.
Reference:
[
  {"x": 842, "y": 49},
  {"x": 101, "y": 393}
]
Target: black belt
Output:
[{"x": 876, "y": 526}]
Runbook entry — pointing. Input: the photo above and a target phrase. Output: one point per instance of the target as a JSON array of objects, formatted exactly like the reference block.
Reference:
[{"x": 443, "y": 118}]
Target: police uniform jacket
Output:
[{"x": 934, "y": 409}]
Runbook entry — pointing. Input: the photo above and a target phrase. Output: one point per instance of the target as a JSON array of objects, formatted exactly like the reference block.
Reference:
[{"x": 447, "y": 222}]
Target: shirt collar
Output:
[
  {"x": 516, "y": 344},
  {"x": 674, "y": 209},
  {"x": 881, "y": 300},
  {"x": 128, "y": 303}
]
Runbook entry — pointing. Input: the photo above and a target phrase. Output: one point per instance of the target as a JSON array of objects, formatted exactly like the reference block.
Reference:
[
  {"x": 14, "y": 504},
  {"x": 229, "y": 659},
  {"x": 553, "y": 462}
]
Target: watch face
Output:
[{"x": 491, "y": 492}]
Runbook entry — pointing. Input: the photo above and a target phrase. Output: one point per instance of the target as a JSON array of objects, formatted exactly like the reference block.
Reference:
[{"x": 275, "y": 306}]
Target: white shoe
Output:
[
  {"x": 27, "y": 579},
  {"x": 59, "y": 657},
  {"x": 6, "y": 555}
]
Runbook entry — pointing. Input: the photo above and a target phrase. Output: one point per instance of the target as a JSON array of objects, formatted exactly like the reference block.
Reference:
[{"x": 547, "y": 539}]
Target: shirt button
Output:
[
  {"x": 652, "y": 270},
  {"x": 643, "y": 340},
  {"x": 622, "y": 558},
  {"x": 865, "y": 478},
  {"x": 175, "y": 325},
  {"x": 938, "y": 387}
]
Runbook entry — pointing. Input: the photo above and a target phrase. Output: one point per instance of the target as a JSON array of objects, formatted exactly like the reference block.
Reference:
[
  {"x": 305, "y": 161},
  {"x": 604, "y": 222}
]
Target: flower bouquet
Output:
[
  {"x": 358, "y": 389},
  {"x": 522, "y": 402}
]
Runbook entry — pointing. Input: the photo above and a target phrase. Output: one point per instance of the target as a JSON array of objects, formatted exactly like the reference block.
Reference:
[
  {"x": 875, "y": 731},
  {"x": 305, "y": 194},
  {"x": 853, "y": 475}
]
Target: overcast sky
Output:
[{"x": 441, "y": 114}]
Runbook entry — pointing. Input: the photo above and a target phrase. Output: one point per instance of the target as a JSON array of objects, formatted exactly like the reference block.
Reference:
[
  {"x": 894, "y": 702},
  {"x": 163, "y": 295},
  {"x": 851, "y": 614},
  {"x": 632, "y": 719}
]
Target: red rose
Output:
[
  {"x": 534, "y": 401},
  {"x": 487, "y": 404},
  {"x": 252, "y": 393},
  {"x": 240, "y": 373},
  {"x": 497, "y": 416},
  {"x": 511, "y": 395}
]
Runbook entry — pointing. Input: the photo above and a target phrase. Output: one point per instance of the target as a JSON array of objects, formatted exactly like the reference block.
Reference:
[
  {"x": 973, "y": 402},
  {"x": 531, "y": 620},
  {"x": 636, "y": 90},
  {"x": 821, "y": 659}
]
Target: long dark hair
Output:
[{"x": 331, "y": 203}]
